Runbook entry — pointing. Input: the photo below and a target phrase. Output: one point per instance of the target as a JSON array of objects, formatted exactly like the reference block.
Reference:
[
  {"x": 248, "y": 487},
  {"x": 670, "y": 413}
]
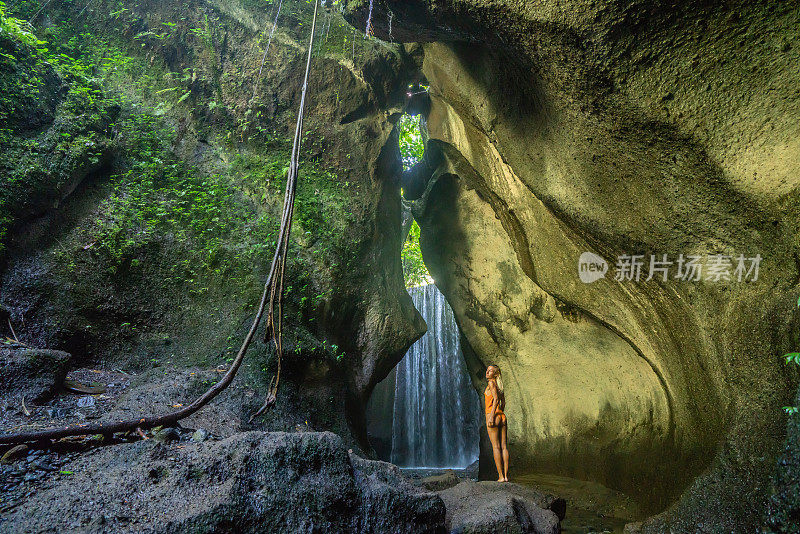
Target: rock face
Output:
[
  {"x": 251, "y": 482},
  {"x": 32, "y": 374},
  {"x": 639, "y": 130},
  {"x": 153, "y": 297},
  {"x": 489, "y": 507}
]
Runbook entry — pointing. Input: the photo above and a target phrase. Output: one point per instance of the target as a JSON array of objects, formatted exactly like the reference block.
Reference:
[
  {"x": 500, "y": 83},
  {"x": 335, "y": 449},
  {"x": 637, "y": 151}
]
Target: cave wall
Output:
[{"x": 619, "y": 129}]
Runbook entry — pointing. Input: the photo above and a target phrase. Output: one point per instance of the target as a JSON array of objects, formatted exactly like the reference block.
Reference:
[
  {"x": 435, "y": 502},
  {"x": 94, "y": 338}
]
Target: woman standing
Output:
[{"x": 496, "y": 423}]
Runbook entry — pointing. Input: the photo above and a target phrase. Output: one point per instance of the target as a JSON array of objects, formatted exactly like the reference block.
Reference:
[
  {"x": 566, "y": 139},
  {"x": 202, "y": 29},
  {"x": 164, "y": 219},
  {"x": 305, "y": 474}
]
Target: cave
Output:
[
  {"x": 536, "y": 158},
  {"x": 601, "y": 201}
]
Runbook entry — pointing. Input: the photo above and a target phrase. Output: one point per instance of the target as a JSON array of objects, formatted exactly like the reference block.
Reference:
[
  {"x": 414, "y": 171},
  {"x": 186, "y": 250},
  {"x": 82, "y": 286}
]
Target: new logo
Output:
[{"x": 591, "y": 267}]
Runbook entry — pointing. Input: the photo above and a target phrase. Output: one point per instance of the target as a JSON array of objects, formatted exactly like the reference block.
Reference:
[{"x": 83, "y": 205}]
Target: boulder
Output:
[
  {"x": 392, "y": 503},
  {"x": 249, "y": 482},
  {"x": 488, "y": 507},
  {"x": 33, "y": 374}
]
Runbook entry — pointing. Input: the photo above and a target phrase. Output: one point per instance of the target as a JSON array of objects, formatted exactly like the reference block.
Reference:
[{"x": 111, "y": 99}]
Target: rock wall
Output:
[
  {"x": 155, "y": 254},
  {"x": 555, "y": 129},
  {"x": 619, "y": 129}
]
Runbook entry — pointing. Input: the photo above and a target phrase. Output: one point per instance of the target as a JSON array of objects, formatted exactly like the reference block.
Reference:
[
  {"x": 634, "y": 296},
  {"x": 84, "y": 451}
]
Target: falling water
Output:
[{"x": 436, "y": 410}]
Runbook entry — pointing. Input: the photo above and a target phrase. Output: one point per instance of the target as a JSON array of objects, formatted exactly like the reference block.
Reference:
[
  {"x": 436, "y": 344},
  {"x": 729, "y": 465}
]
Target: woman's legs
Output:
[
  {"x": 494, "y": 437},
  {"x": 504, "y": 447}
]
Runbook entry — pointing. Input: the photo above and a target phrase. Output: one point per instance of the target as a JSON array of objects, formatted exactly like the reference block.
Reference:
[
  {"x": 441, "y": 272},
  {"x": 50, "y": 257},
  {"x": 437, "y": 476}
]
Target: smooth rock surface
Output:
[
  {"x": 441, "y": 482},
  {"x": 489, "y": 507},
  {"x": 639, "y": 129}
]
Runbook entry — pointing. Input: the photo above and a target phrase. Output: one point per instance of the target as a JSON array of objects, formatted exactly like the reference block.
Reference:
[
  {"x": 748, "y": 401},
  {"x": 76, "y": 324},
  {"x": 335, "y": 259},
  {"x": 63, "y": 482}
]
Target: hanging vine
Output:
[
  {"x": 269, "y": 41},
  {"x": 271, "y": 298}
]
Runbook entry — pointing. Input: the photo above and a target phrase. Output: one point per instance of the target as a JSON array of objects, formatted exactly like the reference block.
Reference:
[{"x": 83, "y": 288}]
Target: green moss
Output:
[
  {"x": 49, "y": 136},
  {"x": 164, "y": 230}
]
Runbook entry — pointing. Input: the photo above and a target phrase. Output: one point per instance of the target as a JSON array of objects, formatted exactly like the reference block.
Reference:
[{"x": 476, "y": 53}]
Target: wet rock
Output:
[
  {"x": 57, "y": 413},
  {"x": 165, "y": 435},
  {"x": 86, "y": 402},
  {"x": 44, "y": 466},
  {"x": 439, "y": 482},
  {"x": 391, "y": 503},
  {"x": 488, "y": 507},
  {"x": 32, "y": 374},
  {"x": 199, "y": 435},
  {"x": 472, "y": 470},
  {"x": 250, "y": 482}
]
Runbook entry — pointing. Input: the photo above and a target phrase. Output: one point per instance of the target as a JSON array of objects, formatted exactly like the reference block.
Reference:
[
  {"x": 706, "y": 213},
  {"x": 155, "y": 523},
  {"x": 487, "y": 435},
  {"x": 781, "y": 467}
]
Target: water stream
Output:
[{"x": 435, "y": 411}]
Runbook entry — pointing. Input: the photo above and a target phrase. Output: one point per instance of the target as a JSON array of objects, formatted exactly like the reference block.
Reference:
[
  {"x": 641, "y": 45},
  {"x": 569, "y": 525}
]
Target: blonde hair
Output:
[{"x": 498, "y": 379}]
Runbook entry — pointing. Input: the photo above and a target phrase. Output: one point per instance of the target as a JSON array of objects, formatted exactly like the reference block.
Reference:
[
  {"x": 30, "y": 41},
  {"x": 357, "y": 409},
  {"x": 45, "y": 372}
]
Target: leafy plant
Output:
[
  {"x": 19, "y": 30},
  {"x": 411, "y": 151},
  {"x": 204, "y": 33},
  {"x": 414, "y": 271},
  {"x": 792, "y": 358},
  {"x": 410, "y": 138}
]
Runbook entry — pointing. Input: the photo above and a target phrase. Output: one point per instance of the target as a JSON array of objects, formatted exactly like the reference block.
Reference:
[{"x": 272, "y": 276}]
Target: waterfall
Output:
[{"x": 436, "y": 413}]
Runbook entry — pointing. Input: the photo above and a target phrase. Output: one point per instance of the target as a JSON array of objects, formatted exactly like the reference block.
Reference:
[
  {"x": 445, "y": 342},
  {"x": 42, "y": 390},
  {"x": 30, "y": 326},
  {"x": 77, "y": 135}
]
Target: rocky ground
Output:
[
  {"x": 250, "y": 482},
  {"x": 142, "y": 169},
  {"x": 212, "y": 475}
]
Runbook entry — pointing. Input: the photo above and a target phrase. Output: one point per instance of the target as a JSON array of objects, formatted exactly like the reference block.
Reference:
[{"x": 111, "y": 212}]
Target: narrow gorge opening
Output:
[
  {"x": 587, "y": 416},
  {"x": 425, "y": 413}
]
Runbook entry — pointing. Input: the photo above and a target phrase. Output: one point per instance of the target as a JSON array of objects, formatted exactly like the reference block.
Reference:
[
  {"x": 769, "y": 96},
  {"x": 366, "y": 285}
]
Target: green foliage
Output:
[
  {"x": 792, "y": 358},
  {"x": 161, "y": 219},
  {"x": 204, "y": 33},
  {"x": 19, "y": 30},
  {"x": 414, "y": 270},
  {"x": 40, "y": 156},
  {"x": 411, "y": 146},
  {"x": 411, "y": 151},
  {"x": 160, "y": 196}
]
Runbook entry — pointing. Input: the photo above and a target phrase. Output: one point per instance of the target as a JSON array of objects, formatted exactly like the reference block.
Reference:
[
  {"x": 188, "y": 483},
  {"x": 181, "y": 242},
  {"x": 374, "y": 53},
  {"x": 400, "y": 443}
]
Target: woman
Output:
[{"x": 496, "y": 420}]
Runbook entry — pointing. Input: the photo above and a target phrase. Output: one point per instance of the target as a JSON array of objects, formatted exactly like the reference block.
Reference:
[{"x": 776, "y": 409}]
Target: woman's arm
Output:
[{"x": 495, "y": 402}]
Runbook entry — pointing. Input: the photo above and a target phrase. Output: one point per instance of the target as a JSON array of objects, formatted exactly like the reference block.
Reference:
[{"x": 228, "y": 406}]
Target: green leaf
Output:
[
  {"x": 793, "y": 357},
  {"x": 66, "y": 472},
  {"x": 410, "y": 139},
  {"x": 791, "y": 410}
]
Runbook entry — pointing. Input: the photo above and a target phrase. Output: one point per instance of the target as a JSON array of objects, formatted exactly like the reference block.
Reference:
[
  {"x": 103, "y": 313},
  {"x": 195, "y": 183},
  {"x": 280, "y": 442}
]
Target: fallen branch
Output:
[
  {"x": 12, "y": 330},
  {"x": 144, "y": 423}
]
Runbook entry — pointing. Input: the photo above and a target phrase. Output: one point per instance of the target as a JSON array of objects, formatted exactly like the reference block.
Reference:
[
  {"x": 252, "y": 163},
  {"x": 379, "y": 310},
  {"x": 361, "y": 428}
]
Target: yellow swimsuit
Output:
[{"x": 499, "y": 416}]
